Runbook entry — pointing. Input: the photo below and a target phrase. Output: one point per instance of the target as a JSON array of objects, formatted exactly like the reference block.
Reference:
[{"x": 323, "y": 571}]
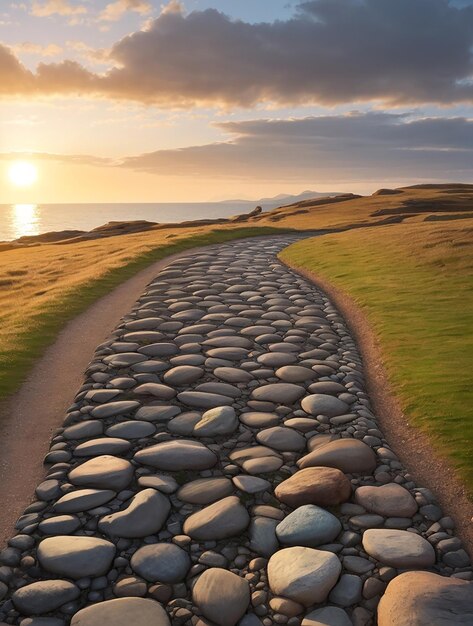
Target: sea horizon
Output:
[{"x": 30, "y": 219}]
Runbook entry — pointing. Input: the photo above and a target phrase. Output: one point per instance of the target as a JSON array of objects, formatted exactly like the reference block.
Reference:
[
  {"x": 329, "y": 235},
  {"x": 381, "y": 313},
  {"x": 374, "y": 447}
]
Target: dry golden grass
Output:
[{"x": 42, "y": 287}]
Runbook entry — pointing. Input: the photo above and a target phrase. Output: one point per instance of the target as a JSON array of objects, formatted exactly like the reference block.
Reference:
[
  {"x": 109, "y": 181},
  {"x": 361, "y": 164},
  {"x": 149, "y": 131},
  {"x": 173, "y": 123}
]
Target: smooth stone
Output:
[
  {"x": 184, "y": 423},
  {"x": 76, "y": 557},
  {"x": 83, "y": 500},
  {"x": 102, "y": 395},
  {"x": 259, "y": 419},
  {"x": 280, "y": 393},
  {"x": 111, "y": 409},
  {"x": 59, "y": 525},
  {"x": 426, "y": 599},
  {"x": 177, "y": 455},
  {"x": 219, "y": 421},
  {"x": 308, "y": 525},
  {"x": 103, "y": 445},
  {"x": 325, "y": 486},
  {"x": 161, "y": 349},
  {"x": 161, "y": 562},
  {"x": 144, "y": 515},
  {"x": 263, "y": 539},
  {"x": 163, "y": 483},
  {"x": 228, "y": 354},
  {"x": 103, "y": 472},
  {"x": 251, "y": 484},
  {"x": 183, "y": 375},
  {"x": 122, "y": 612},
  {"x": 348, "y": 455},
  {"x": 223, "y": 597},
  {"x": 44, "y": 596},
  {"x": 327, "y": 387},
  {"x": 220, "y": 520},
  {"x": 225, "y": 389},
  {"x": 295, "y": 374},
  {"x": 304, "y": 424},
  {"x": 302, "y": 574},
  {"x": 328, "y": 616},
  {"x": 203, "y": 399},
  {"x": 83, "y": 430},
  {"x": 157, "y": 390},
  {"x": 232, "y": 375},
  {"x": 347, "y": 591},
  {"x": 281, "y": 438},
  {"x": 205, "y": 490},
  {"x": 157, "y": 413},
  {"x": 134, "y": 429},
  {"x": 277, "y": 359},
  {"x": 398, "y": 548},
  {"x": 323, "y": 404},
  {"x": 389, "y": 500}
]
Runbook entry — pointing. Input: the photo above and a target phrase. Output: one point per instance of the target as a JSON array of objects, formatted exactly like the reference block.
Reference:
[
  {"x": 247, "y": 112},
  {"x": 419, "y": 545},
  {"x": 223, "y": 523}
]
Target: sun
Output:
[{"x": 22, "y": 173}]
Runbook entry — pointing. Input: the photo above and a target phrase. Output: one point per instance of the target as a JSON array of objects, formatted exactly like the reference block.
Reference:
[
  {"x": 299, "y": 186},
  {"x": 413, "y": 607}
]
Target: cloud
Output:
[
  {"x": 358, "y": 147},
  {"x": 116, "y": 10},
  {"x": 56, "y": 7},
  {"x": 369, "y": 146},
  {"x": 389, "y": 52},
  {"x": 27, "y": 47}
]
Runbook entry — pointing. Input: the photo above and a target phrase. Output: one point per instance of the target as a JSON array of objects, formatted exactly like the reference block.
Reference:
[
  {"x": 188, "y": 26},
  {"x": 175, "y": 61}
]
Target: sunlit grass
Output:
[{"x": 415, "y": 283}]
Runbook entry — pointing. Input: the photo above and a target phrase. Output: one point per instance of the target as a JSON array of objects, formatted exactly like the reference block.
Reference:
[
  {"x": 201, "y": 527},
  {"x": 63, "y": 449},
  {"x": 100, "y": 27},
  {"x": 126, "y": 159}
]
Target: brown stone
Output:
[
  {"x": 324, "y": 486},
  {"x": 348, "y": 455},
  {"x": 426, "y": 599}
]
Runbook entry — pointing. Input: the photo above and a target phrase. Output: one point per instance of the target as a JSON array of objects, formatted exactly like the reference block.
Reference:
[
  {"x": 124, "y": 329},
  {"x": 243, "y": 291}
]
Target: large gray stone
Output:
[
  {"x": 44, "y": 596},
  {"x": 102, "y": 445},
  {"x": 304, "y": 575},
  {"x": 122, "y": 612},
  {"x": 76, "y": 557},
  {"x": 225, "y": 518},
  {"x": 177, "y": 455},
  {"x": 205, "y": 490},
  {"x": 161, "y": 562},
  {"x": 324, "y": 404},
  {"x": 222, "y": 596},
  {"x": 103, "y": 472},
  {"x": 144, "y": 515},
  {"x": 389, "y": 500},
  {"x": 281, "y": 438},
  {"x": 279, "y": 393},
  {"x": 398, "y": 548},
  {"x": 308, "y": 525},
  {"x": 216, "y": 422},
  {"x": 83, "y": 500},
  {"x": 328, "y": 616}
]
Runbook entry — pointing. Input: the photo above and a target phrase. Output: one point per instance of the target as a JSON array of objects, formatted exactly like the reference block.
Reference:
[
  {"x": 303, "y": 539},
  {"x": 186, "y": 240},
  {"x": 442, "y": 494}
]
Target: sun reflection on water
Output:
[{"x": 24, "y": 220}]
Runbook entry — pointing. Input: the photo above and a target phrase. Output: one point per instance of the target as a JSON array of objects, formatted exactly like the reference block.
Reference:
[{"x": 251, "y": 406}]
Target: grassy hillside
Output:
[
  {"x": 415, "y": 283},
  {"x": 44, "y": 286}
]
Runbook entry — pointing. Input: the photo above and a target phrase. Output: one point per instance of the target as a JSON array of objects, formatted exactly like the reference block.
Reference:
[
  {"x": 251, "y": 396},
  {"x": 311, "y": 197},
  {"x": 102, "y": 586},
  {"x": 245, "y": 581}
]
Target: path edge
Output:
[{"x": 430, "y": 470}]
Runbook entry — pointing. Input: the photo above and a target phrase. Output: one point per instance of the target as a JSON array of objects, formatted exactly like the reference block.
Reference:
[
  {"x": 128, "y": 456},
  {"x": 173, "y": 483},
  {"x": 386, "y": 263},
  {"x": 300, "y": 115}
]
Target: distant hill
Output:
[{"x": 283, "y": 199}]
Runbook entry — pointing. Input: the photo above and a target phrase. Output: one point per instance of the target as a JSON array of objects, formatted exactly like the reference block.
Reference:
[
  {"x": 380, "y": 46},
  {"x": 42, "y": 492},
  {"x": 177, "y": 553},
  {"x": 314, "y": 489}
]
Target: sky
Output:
[{"x": 194, "y": 100}]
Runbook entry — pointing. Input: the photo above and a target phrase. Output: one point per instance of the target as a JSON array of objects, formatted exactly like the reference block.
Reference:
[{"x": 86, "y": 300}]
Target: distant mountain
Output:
[{"x": 282, "y": 199}]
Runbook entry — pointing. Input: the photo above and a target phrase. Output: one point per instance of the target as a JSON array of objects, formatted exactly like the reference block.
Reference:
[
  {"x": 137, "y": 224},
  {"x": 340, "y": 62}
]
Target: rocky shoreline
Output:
[{"x": 221, "y": 464}]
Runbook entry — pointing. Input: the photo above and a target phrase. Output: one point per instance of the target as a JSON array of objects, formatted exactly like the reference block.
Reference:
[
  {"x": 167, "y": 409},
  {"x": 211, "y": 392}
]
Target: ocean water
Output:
[{"x": 17, "y": 220}]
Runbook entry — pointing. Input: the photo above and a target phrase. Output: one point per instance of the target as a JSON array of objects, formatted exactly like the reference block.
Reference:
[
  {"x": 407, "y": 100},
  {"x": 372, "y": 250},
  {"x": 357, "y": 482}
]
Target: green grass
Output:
[
  {"x": 415, "y": 284},
  {"x": 43, "y": 327}
]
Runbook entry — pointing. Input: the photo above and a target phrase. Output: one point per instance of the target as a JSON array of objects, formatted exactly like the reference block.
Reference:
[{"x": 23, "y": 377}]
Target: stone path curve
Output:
[{"x": 221, "y": 465}]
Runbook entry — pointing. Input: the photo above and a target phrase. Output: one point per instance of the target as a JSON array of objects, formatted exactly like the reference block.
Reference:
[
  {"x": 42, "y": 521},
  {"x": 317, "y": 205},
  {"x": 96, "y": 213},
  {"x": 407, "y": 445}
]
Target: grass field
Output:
[
  {"x": 43, "y": 287},
  {"x": 414, "y": 281}
]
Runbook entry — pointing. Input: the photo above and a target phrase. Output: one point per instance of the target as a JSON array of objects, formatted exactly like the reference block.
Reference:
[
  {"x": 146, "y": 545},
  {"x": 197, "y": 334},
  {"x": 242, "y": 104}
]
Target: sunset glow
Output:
[{"x": 22, "y": 174}]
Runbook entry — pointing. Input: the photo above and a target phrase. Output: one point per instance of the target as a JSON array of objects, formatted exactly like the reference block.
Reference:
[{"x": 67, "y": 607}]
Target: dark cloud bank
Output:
[{"x": 331, "y": 51}]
